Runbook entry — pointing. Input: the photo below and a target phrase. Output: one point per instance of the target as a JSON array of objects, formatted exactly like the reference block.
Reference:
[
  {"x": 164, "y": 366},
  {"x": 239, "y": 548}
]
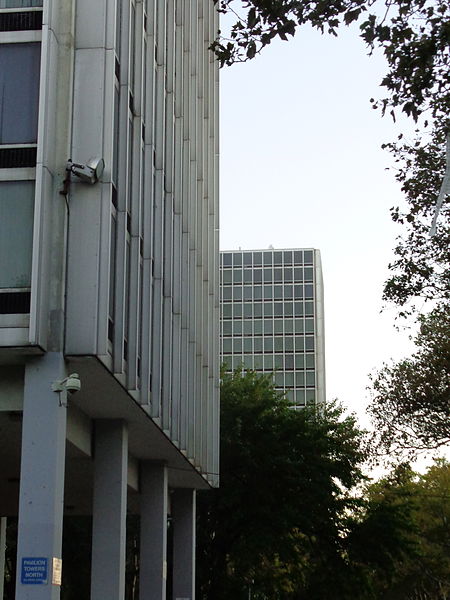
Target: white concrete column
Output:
[
  {"x": 153, "y": 560},
  {"x": 109, "y": 510},
  {"x": 2, "y": 554},
  {"x": 183, "y": 520},
  {"x": 41, "y": 500}
]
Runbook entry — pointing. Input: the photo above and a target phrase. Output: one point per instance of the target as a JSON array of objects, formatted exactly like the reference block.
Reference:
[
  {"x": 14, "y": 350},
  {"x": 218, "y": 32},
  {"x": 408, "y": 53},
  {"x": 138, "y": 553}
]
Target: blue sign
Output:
[{"x": 34, "y": 570}]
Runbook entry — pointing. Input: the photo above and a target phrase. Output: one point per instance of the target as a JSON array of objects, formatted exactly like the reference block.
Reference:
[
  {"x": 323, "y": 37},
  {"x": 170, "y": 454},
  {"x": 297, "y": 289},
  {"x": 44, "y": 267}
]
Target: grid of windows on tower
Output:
[{"x": 268, "y": 320}]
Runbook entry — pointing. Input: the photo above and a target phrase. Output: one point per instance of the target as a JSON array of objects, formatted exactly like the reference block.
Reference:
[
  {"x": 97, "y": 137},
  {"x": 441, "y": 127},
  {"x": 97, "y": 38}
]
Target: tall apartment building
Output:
[
  {"x": 108, "y": 281},
  {"x": 272, "y": 318}
]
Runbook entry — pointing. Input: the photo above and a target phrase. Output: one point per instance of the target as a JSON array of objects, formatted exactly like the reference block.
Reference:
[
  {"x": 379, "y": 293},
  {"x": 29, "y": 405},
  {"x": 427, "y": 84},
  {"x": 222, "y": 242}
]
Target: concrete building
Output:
[
  {"x": 108, "y": 282},
  {"x": 272, "y": 318}
]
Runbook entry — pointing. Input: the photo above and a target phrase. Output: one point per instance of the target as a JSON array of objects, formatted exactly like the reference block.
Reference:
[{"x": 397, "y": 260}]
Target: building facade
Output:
[
  {"x": 108, "y": 281},
  {"x": 272, "y": 318}
]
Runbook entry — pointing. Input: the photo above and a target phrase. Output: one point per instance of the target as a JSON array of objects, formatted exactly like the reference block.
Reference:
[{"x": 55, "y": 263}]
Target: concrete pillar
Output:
[
  {"x": 153, "y": 552},
  {"x": 183, "y": 520},
  {"x": 109, "y": 510},
  {"x": 2, "y": 554},
  {"x": 41, "y": 499}
]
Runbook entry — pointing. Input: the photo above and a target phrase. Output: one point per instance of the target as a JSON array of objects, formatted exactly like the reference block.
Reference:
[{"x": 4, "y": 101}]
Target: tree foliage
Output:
[
  {"x": 413, "y": 34},
  {"x": 410, "y": 404},
  {"x": 421, "y": 268},
  {"x": 286, "y": 522},
  {"x": 424, "y": 574}
]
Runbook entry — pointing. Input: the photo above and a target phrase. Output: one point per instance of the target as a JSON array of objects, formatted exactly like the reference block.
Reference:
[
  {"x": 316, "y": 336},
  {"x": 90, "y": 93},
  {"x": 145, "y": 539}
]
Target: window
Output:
[
  {"x": 278, "y": 309},
  {"x": 278, "y": 344},
  {"x": 289, "y": 362},
  {"x": 268, "y": 276},
  {"x": 225, "y": 257},
  {"x": 278, "y": 326},
  {"x": 279, "y": 379},
  {"x": 237, "y": 311},
  {"x": 310, "y": 379},
  {"x": 288, "y": 309},
  {"x": 227, "y": 345},
  {"x": 226, "y": 311},
  {"x": 268, "y": 363},
  {"x": 16, "y": 233},
  {"x": 309, "y": 326},
  {"x": 299, "y": 326},
  {"x": 247, "y": 293},
  {"x": 268, "y": 344},
  {"x": 226, "y": 275},
  {"x": 258, "y": 327},
  {"x": 258, "y": 361},
  {"x": 268, "y": 292},
  {"x": 268, "y": 309},
  {"x": 300, "y": 379},
  {"x": 278, "y": 361},
  {"x": 309, "y": 274},
  {"x": 248, "y": 346},
  {"x": 288, "y": 326},
  {"x": 237, "y": 292},
  {"x": 309, "y": 343},
  {"x": 309, "y": 361},
  {"x": 288, "y": 275},
  {"x": 248, "y": 311},
  {"x": 226, "y": 293},
  {"x": 227, "y": 328},
  {"x": 247, "y": 361},
  {"x": 268, "y": 327},
  {"x": 300, "y": 397},
  {"x": 299, "y": 309},
  {"x": 300, "y": 362},
  {"x": 19, "y": 100},
  {"x": 247, "y": 328},
  {"x": 20, "y": 3}
]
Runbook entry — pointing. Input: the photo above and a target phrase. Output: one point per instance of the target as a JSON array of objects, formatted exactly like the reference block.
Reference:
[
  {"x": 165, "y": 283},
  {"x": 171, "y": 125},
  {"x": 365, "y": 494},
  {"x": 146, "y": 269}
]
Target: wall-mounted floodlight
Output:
[{"x": 90, "y": 172}]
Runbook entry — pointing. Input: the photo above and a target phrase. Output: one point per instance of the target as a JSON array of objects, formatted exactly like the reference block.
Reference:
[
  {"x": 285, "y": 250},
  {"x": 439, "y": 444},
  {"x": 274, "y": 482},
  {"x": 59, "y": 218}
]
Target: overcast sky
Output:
[{"x": 301, "y": 166}]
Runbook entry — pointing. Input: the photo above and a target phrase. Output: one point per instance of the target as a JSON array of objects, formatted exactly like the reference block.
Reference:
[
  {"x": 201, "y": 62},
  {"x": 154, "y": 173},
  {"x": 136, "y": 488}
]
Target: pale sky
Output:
[{"x": 301, "y": 166}]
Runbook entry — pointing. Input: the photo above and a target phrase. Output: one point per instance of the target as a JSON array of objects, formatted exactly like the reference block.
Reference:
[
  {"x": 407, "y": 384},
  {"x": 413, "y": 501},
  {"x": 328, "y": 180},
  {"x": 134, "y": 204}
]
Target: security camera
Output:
[
  {"x": 73, "y": 383},
  {"x": 90, "y": 172}
]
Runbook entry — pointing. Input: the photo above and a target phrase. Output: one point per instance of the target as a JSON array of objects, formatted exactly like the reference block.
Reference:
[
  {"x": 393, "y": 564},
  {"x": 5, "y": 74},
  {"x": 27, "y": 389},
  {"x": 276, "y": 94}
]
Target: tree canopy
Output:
[
  {"x": 287, "y": 521},
  {"x": 410, "y": 404},
  {"x": 425, "y": 573},
  {"x": 413, "y": 34}
]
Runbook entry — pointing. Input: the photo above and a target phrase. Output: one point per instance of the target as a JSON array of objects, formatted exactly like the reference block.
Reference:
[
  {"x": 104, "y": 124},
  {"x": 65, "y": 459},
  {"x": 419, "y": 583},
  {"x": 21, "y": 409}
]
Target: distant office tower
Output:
[
  {"x": 272, "y": 318},
  {"x": 109, "y": 285}
]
